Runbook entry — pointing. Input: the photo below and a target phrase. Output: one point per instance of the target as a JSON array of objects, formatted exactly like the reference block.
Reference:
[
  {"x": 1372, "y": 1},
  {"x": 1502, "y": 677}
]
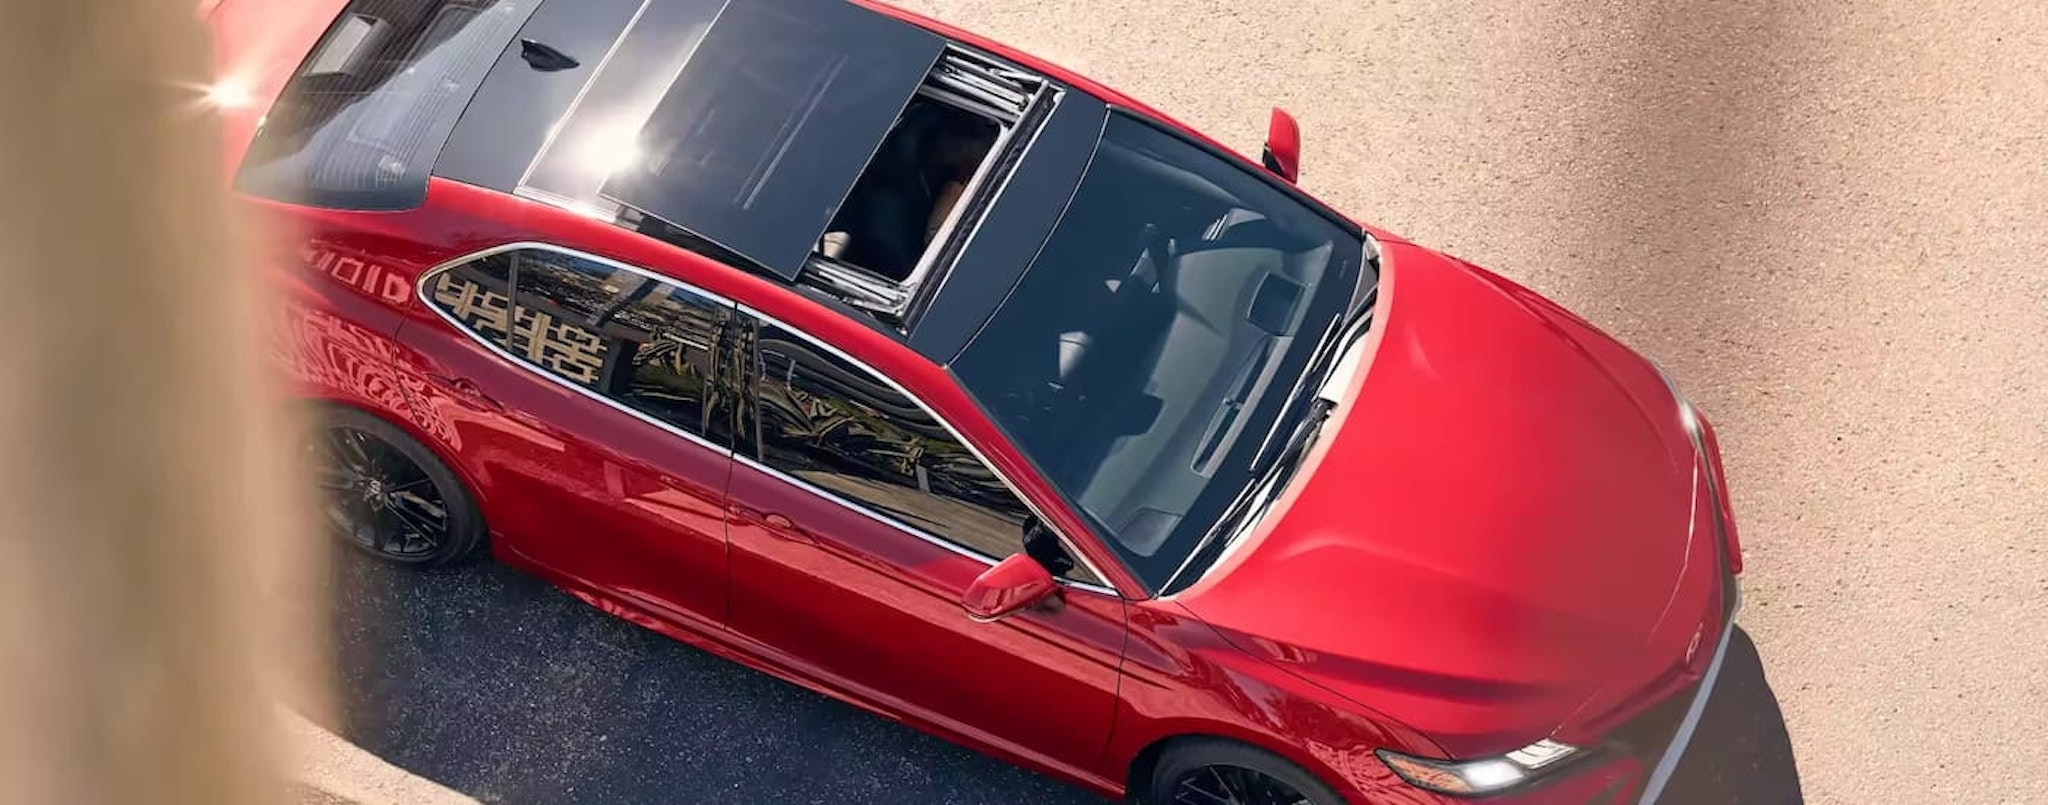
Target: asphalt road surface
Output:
[
  {"x": 499, "y": 686},
  {"x": 1825, "y": 218}
]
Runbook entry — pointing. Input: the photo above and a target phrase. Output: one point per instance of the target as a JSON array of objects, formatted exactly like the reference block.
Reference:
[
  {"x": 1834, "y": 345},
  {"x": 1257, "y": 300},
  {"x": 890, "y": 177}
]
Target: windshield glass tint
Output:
[{"x": 1147, "y": 351}]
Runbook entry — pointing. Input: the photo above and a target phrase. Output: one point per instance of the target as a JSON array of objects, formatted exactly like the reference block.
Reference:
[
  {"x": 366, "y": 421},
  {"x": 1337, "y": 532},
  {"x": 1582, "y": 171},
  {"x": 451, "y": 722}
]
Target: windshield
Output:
[{"x": 1147, "y": 352}]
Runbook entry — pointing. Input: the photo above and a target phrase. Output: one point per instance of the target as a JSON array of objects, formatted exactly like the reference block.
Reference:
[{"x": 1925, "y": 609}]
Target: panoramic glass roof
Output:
[{"x": 770, "y": 122}]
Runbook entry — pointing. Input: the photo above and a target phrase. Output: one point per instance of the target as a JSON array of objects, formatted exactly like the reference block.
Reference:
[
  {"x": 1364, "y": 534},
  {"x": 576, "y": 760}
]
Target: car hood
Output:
[{"x": 1496, "y": 539}]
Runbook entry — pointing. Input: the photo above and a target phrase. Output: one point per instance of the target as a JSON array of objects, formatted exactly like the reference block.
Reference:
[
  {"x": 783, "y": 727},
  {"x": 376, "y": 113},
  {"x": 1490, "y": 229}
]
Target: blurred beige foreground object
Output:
[{"x": 144, "y": 498}]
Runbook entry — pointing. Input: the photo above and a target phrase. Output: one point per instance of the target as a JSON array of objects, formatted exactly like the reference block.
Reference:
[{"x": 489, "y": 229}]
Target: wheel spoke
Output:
[
  {"x": 1224, "y": 784},
  {"x": 358, "y": 521},
  {"x": 1198, "y": 789},
  {"x": 416, "y": 483},
  {"x": 1191, "y": 792},
  {"x": 1228, "y": 781},
  {"x": 394, "y": 537},
  {"x": 348, "y": 449},
  {"x": 429, "y": 530}
]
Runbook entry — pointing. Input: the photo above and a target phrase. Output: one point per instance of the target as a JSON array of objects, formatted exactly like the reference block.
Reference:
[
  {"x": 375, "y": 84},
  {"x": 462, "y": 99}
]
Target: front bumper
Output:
[
  {"x": 1636, "y": 762},
  {"x": 1660, "y": 774}
]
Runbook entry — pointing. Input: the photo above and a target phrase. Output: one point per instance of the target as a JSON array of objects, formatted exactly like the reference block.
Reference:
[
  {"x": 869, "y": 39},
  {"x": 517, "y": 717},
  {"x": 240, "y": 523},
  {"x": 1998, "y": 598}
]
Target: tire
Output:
[
  {"x": 1203, "y": 761},
  {"x": 382, "y": 492}
]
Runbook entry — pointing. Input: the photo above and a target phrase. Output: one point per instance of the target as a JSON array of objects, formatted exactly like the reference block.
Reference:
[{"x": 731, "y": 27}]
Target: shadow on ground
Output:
[{"x": 497, "y": 685}]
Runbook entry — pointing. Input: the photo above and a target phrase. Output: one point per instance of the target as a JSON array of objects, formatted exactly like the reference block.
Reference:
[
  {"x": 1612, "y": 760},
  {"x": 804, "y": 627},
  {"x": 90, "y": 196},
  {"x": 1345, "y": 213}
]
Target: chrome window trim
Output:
[
  {"x": 1065, "y": 541},
  {"x": 857, "y": 508},
  {"x": 949, "y": 233},
  {"x": 420, "y": 290}
]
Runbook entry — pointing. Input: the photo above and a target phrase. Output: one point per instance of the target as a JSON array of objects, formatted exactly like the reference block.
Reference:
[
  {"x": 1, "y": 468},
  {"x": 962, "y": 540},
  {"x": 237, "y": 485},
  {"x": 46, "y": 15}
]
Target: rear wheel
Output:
[
  {"x": 384, "y": 493},
  {"x": 1217, "y": 772}
]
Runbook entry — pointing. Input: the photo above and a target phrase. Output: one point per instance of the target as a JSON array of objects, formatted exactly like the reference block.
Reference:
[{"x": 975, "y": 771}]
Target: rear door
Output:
[{"x": 585, "y": 397}]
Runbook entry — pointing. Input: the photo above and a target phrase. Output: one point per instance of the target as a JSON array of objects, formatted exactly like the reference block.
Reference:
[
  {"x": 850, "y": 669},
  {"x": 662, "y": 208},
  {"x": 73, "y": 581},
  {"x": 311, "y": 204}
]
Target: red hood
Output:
[{"x": 1496, "y": 541}]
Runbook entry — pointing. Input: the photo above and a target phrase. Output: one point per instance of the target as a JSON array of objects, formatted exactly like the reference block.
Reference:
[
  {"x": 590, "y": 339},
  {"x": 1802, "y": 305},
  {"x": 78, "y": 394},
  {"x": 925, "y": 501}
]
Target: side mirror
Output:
[
  {"x": 1283, "y": 146},
  {"x": 1012, "y": 586}
]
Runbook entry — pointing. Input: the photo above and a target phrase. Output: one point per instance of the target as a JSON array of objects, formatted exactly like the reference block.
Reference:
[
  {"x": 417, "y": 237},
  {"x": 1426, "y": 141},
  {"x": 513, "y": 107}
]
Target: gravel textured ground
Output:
[{"x": 1825, "y": 218}]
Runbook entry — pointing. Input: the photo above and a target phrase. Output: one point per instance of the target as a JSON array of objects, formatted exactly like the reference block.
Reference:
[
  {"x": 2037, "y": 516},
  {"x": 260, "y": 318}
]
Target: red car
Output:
[{"x": 927, "y": 375}]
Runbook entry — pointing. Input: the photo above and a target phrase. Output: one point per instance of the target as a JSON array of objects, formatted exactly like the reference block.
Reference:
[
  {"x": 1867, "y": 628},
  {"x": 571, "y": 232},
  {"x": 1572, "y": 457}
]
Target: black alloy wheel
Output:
[
  {"x": 1213, "y": 771},
  {"x": 382, "y": 492},
  {"x": 1233, "y": 785}
]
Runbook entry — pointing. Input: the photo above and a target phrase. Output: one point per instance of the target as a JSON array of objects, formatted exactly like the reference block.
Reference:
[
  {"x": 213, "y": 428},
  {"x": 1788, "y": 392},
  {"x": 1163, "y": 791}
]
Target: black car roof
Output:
[
  {"x": 770, "y": 123},
  {"x": 753, "y": 118}
]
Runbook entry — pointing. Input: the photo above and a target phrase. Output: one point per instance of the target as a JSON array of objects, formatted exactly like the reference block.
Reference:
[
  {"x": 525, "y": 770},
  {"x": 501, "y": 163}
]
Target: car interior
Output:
[
  {"x": 904, "y": 197},
  {"x": 1150, "y": 355},
  {"x": 941, "y": 150}
]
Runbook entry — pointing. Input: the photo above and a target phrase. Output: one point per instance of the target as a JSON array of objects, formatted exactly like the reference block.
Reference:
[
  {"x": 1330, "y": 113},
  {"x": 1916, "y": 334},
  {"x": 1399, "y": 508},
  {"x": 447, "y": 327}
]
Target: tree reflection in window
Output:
[{"x": 832, "y": 424}]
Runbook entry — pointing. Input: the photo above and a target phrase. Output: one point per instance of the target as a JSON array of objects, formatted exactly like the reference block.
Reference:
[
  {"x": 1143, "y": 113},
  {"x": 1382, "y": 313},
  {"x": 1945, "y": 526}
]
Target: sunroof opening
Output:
[
  {"x": 908, "y": 191},
  {"x": 945, "y": 151}
]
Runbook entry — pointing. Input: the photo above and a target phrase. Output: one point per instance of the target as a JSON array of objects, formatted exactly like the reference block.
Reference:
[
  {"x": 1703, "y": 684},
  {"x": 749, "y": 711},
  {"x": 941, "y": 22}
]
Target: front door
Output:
[
  {"x": 582, "y": 397},
  {"x": 857, "y": 522}
]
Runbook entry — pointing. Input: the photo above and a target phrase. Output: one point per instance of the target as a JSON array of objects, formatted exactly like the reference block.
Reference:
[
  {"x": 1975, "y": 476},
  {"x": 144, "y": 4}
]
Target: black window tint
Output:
[
  {"x": 360, "y": 124},
  {"x": 673, "y": 371},
  {"x": 833, "y": 425},
  {"x": 650, "y": 345}
]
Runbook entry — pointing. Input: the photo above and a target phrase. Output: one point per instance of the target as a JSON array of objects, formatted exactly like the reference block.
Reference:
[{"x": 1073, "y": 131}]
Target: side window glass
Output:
[
  {"x": 830, "y": 423},
  {"x": 478, "y": 295},
  {"x": 649, "y": 345},
  {"x": 560, "y": 306},
  {"x": 673, "y": 372}
]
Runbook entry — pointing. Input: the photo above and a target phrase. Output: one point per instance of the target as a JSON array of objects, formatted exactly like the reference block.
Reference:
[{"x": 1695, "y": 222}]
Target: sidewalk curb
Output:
[{"x": 331, "y": 771}]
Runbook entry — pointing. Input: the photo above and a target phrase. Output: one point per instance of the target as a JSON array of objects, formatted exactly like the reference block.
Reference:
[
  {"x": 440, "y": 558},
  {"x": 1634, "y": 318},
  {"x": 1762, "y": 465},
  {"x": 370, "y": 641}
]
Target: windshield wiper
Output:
[
  {"x": 1272, "y": 469},
  {"x": 1341, "y": 337},
  {"x": 1266, "y": 482},
  {"x": 1305, "y": 435}
]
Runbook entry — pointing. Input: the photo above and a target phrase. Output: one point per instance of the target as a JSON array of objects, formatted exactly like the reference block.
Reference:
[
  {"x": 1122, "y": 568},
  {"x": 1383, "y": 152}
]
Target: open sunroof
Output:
[{"x": 771, "y": 122}]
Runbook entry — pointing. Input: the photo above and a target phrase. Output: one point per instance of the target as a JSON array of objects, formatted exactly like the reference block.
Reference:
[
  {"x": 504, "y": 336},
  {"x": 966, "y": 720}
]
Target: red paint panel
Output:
[{"x": 854, "y": 598}]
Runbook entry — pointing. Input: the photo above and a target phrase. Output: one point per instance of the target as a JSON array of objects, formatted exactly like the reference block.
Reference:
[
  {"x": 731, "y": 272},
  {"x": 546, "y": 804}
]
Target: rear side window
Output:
[
  {"x": 360, "y": 124},
  {"x": 654, "y": 347}
]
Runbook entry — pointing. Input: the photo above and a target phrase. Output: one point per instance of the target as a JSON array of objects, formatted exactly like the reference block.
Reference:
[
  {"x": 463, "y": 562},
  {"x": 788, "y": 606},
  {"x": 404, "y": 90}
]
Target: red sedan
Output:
[{"x": 927, "y": 375}]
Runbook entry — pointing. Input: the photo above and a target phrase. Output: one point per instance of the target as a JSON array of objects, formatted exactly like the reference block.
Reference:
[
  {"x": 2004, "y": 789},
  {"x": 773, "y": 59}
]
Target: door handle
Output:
[
  {"x": 779, "y": 526},
  {"x": 468, "y": 391}
]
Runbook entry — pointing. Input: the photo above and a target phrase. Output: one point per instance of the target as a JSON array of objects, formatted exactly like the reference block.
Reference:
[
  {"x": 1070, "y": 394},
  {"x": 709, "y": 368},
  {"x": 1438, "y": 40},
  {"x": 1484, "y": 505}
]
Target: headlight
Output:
[{"x": 1483, "y": 776}]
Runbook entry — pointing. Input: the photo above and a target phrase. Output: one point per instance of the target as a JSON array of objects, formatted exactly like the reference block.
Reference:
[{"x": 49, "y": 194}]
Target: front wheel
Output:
[
  {"x": 385, "y": 493},
  {"x": 1218, "y": 772}
]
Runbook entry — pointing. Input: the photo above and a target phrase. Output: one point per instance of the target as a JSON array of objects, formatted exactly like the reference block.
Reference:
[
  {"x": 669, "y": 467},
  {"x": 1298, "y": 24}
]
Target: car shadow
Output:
[
  {"x": 1741, "y": 753},
  {"x": 497, "y": 685}
]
